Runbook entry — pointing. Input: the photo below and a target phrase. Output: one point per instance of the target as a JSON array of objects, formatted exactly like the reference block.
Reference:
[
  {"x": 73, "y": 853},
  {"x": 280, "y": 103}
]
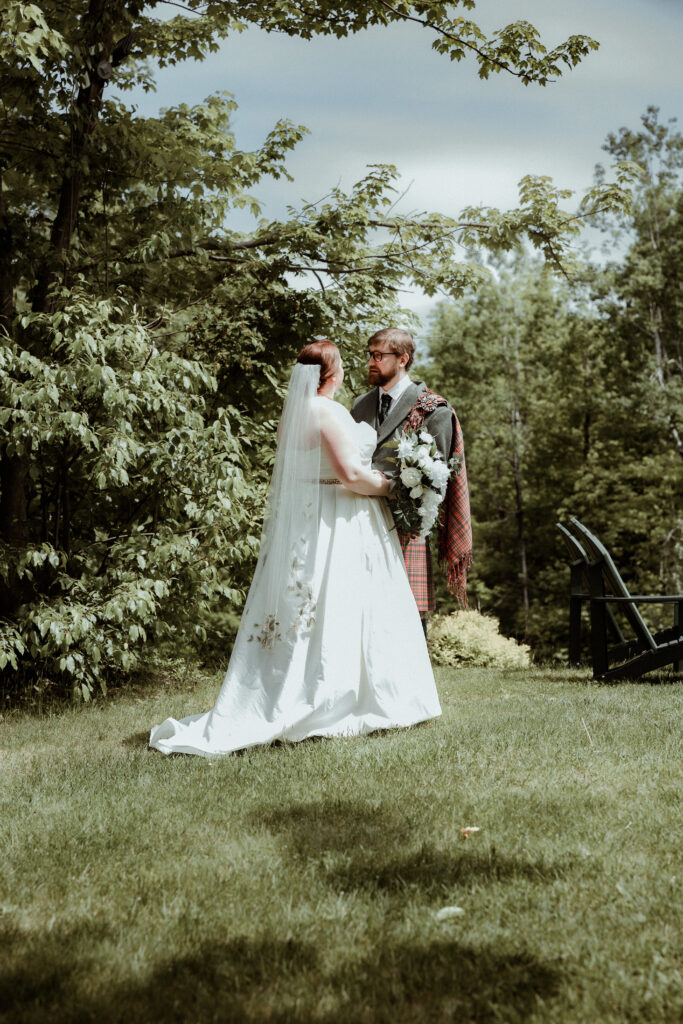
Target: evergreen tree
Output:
[{"x": 571, "y": 399}]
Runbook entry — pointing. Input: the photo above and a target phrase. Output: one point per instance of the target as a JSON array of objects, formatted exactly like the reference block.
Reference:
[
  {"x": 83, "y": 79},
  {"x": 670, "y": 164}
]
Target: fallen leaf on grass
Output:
[
  {"x": 447, "y": 912},
  {"x": 469, "y": 830}
]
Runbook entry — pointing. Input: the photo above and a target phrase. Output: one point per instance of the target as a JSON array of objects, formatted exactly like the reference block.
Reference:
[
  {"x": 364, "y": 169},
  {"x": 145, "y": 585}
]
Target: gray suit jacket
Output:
[{"x": 439, "y": 424}]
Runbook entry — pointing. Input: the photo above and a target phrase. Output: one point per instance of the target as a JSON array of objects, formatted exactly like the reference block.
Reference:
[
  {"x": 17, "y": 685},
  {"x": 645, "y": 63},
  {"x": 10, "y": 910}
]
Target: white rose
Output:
[
  {"x": 426, "y": 436},
  {"x": 405, "y": 447},
  {"x": 410, "y": 476},
  {"x": 426, "y": 528},
  {"x": 439, "y": 473},
  {"x": 431, "y": 501},
  {"x": 417, "y": 492},
  {"x": 427, "y": 520}
]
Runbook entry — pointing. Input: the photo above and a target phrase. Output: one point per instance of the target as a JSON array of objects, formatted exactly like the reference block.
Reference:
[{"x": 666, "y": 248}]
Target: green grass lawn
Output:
[{"x": 303, "y": 883}]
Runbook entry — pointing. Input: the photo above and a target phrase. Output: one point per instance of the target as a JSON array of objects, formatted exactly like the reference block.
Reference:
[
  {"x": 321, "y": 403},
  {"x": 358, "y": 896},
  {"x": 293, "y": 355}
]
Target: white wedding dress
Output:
[{"x": 355, "y": 658}]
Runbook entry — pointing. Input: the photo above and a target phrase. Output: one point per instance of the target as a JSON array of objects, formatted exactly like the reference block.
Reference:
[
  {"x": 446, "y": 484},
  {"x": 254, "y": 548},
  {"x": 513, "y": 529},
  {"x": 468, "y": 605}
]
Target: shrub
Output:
[
  {"x": 469, "y": 638},
  {"x": 140, "y": 518}
]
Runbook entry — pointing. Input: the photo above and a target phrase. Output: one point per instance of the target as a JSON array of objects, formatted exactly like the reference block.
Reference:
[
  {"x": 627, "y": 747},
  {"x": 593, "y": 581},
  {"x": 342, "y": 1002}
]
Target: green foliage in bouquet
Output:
[{"x": 469, "y": 638}]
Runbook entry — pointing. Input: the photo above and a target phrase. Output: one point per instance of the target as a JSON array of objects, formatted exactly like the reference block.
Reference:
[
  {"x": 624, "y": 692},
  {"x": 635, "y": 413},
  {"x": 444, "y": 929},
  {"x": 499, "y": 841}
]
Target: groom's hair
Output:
[
  {"x": 323, "y": 353},
  {"x": 399, "y": 340}
]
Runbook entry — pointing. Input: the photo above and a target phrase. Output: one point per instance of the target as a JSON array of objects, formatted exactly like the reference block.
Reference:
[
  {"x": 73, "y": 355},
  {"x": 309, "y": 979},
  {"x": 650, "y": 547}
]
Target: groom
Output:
[{"x": 387, "y": 408}]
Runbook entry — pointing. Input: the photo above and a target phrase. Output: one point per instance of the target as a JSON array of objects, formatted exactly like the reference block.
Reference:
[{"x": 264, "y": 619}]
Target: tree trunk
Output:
[
  {"x": 66, "y": 543},
  {"x": 586, "y": 436},
  {"x": 87, "y": 107},
  {"x": 6, "y": 289},
  {"x": 521, "y": 539},
  {"x": 13, "y": 468},
  {"x": 516, "y": 430},
  {"x": 13, "y": 518},
  {"x": 84, "y": 121},
  {"x": 587, "y": 416},
  {"x": 661, "y": 369},
  {"x": 13, "y": 523}
]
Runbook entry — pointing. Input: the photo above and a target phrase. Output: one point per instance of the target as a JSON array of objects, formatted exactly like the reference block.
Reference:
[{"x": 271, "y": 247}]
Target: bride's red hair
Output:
[{"x": 323, "y": 353}]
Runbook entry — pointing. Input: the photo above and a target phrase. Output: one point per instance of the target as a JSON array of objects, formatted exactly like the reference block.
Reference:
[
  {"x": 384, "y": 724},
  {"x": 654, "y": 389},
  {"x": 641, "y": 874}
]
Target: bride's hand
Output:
[{"x": 384, "y": 480}]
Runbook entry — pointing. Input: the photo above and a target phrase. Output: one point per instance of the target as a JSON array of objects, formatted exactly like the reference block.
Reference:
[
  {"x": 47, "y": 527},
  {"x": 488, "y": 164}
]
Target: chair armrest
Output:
[{"x": 642, "y": 599}]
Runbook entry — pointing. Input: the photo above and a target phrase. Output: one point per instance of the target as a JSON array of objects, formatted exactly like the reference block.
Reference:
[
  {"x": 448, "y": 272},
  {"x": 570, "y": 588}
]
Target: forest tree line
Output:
[{"x": 570, "y": 392}]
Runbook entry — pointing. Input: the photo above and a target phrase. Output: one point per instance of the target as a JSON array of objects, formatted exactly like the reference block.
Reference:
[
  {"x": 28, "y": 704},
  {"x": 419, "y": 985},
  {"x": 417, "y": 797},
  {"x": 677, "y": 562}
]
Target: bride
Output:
[{"x": 330, "y": 642}]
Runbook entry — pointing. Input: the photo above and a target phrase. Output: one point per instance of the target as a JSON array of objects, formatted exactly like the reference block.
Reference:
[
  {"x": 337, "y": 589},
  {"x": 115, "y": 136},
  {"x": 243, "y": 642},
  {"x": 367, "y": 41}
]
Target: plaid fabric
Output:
[
  {"x": 455, "y": 531},
  {"x": 419, "y": 567},
  {"x": 455, "y": 527}
]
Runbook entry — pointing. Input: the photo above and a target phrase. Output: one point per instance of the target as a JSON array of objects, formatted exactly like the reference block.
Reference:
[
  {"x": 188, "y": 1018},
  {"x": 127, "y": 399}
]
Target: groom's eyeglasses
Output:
[{"x": 377, "y": 357}]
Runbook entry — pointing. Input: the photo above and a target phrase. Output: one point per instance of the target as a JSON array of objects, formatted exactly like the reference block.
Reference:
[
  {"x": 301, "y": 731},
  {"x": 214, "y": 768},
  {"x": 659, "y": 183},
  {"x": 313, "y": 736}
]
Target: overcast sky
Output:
[{"x": 384, "y": 96}]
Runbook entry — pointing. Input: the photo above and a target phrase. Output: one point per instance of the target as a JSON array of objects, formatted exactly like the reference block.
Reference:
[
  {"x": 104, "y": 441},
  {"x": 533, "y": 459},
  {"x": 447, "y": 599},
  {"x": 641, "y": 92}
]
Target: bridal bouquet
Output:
[{"x": 421, "y": 482}]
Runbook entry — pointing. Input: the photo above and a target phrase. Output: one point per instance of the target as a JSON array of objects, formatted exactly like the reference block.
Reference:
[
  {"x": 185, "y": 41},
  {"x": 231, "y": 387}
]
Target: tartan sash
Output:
[
  {"x": 418, "y": 562},
  {"x": 455, "y": 523}
]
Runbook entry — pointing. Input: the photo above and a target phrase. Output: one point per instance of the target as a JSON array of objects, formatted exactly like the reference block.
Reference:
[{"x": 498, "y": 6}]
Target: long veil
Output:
[{"x": 281, "y": 597}]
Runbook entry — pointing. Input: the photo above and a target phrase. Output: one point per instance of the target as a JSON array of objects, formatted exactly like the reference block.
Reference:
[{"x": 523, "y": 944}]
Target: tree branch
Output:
[
  {"x": 6, "y": 283},
  {"x": 454, "y": 39},
  {"x": 225, "y": 248}
]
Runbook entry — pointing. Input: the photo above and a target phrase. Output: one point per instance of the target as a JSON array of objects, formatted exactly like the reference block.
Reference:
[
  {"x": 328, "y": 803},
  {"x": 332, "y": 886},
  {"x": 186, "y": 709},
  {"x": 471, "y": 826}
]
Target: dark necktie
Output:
[{"x": 384, "y": 406}]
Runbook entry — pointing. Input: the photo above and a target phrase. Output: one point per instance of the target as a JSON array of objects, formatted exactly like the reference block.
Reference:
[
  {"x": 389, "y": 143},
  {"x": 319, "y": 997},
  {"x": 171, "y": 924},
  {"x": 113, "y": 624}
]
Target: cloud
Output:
[{"x": 384, "y": 96}]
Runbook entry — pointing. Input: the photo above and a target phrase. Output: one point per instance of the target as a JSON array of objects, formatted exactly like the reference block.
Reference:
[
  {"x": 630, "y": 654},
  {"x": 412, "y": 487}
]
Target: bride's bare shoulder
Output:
[
  {"x": 330, "y": 410},
  {"x": 334, "y": 419}
]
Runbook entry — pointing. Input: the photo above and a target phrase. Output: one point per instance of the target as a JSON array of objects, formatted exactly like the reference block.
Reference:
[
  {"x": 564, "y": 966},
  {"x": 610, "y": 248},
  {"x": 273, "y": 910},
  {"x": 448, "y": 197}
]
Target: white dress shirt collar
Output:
[{"x": 396, "y": 391}]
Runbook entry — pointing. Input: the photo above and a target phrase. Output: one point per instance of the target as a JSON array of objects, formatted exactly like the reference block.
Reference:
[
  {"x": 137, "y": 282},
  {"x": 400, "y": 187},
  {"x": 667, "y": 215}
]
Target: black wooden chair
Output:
[
  {"x": 593, "y": 565},
  {"x": 579, "y": 592}
]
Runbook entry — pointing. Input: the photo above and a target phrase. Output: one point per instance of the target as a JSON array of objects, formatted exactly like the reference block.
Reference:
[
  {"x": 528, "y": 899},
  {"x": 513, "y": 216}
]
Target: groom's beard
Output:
[{"x": 378, "y": 377}]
